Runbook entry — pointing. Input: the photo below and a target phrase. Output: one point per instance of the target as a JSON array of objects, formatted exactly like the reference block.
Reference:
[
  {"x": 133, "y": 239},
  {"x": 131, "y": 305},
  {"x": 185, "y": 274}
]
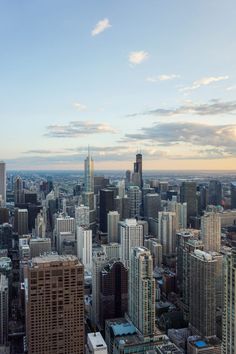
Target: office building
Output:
[
  {"x": 229, "y": 321},
  {"x": 181, "y": 213},
  {"x": 215, "y": 193},
  {"x": 82, "y": 215},
  {"x": 142, "y": 291},
  {"x": 167, "y": 232},
  {"x": 135, "y": 201},
  {"x": 18, "y": 191},
  {"x": 202, "y": 305},
  {"x": 112, "y": 250},
  {"x": 54, "y": 302},
  {"x": 155, "y": 248},
  {"x": 233, "y": 195},
  {"x": 21, "y": 221},
  {"x": 113, "y": 291},
  {"x": 39, "y": 246},
  {"x": 152, "y": 205},
  {"x": 89, "y": 173},
  {"x": 63, "y": 224},
  {"x": 4, "y": 298},
  {"x": 3, "y": 182},
  {"x": 106, "y": 205},
  {"x": 84, "y": 246},
  {"x": 188, "y": 192},
  {"x": 113, "y": 218},
  {"x": 211, "y": 231},
  {"x": 131, "y": 235}
]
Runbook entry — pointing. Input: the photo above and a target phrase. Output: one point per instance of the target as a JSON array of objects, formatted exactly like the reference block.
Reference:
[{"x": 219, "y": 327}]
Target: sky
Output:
[{"x": 156, "y": 76}]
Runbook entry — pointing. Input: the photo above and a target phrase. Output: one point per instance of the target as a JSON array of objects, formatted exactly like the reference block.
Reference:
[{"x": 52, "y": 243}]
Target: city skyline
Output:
[{"x": 156, "y": 77}]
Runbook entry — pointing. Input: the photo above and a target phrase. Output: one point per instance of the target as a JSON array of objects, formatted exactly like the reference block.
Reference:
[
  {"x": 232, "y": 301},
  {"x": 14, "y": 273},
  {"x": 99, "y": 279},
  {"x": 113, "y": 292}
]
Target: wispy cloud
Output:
[
  {"x": 42, "y": 152},
  {"x": 162, "y": 78},
  {"x": 212, "y": 108},
  {"x": 205, "y": 81},
  {"x": 231, "y": 88},
  {"x": 101, "y": 26},
  {"x": 80, "y": 106},
  {"x": 78, "y": 128},
  {"x": 138, "y": 57},
  {"x": 193, "y": 134}
]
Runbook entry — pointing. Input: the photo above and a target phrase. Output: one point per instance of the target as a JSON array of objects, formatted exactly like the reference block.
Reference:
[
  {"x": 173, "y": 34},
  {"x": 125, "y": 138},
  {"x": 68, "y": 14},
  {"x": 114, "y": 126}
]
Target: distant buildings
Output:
[{"x": 3, "y": 182}]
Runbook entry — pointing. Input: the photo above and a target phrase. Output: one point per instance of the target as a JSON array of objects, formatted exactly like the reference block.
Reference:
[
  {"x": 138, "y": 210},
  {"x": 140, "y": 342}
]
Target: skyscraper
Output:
[
  {"x": 54, "y": 301},
  {"x": 106, "y": 205},
  {"x": 233, "y": 195},
  {"x": 211, "y": 231},
  {"x": 84, "y": 246},
  {"x": 113, "y": 291},
  {"x": 215, "y": 192},
  {"x": 229, "y": 321},
  {"x": 131, "y": 235},
  {"x": 138, "y": 169},
  {"x": 21, "y": 221},
  {"x": 135, "y": 201},
  {"x": 113, "y": 218},
  {"x": 203, "y": 293},
  {"x": 142, "y": 291},
  {"x": 167, "y": 232},
  {"x": 3, "y": 181},
  {"x": 3, "y": 309},
  {"x": 89, "y": 173},
  {"x": 188, "y": 192}
]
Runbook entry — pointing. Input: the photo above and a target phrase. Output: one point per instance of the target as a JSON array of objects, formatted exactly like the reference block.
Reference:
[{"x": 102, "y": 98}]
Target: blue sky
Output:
[{"x": 155, "y": 75}]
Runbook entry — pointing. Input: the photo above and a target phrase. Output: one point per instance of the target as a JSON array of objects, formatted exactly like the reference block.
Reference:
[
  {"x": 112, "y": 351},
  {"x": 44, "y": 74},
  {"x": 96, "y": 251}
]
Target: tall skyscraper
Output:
[
  {"x": 138, "y": 169},
  {"x": 131, "y": 235},
  {"x": 167, "y": 232},
  {"x": 181, "y": 213},
  {"x": 188, "y": 192},
  {"x": 3, "y": 181},
  {"x": 82, "y": 215},
  {"x": 18, "y": 190},
  {"x": 113, "y": 218},
  {"x": 203, "y": 293},
  {"x": 113, "y": 291},
  {"x": 135, "y": 201},
  {"x": 211, "y": 231},
  {"x": 233, "y": 195},
  {"x": 3, "y": 309},
  {"x": 21, "y": 221},
  {"x": 106, "y": 205},
  {"x": 89, "y": 173},
  {"x": 214, "y": 192},
  {"x": 142, "y": 291},
  {"x": 229, "y": 321},
  {"x": 84, "y": 246},
  {"x": 54, "y": 301}
]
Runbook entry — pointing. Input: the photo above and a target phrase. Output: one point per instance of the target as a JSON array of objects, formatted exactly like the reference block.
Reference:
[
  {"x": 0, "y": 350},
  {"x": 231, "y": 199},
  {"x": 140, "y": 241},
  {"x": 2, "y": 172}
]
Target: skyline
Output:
[{"x": 159, "y": 78}]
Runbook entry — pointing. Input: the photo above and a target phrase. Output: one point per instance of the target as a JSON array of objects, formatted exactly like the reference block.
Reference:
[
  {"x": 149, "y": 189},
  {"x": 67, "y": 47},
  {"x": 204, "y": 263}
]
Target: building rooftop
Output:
[
  {"x": 123, "y": 329},
  {"x": 95, "y": 340},
  {"x": 52, "y": 257}
]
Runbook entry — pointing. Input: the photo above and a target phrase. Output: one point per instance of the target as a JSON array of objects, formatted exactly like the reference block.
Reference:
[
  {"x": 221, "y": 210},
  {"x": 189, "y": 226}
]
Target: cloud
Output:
[
  {"x": 162, "y": 78},
  {"x": 41, "y": 152},
  {"x": 231, "y": 88},
  {"x": 205, "y": 81},
  {"x": 217, "y": 140},
  {"x": 138, "y": 57},
  {"x": 212, "y": 108},
  {"x": 78, "y": 128},
  {"x": 100, "y": 27},
  {"x": 80, "y": 106}
]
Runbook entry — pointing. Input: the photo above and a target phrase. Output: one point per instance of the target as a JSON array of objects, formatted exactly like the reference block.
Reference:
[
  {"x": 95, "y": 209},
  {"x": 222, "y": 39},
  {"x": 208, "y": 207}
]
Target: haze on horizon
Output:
[{"x": 154, "y": 76}]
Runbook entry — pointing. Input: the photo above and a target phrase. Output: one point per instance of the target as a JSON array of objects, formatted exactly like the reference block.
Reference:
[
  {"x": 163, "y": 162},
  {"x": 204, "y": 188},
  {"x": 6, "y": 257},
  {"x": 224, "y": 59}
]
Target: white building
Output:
[
  {"x": 3, "y": 181},
  {"x": 63, "y": 224},
  {"x": 181, "y": 213},
  {"x": 112, "y": 250},
  {"x": 142, "y": 291},
  {"x": 82, "y": 215},
  {"x": 84, "y": 246},
  {"x": 89, "y": 173},
  {"x": 131, "y": 235},
  {"x": 96, "y": 344}
]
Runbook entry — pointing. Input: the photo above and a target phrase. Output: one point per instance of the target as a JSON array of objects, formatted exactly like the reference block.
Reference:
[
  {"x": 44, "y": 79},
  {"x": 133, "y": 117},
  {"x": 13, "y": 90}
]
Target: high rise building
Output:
[
  {"x": 142, "y": 291},
  {"x": 39, "y": 246},
  {"x": 3, "y": 182},
  {"x": 82, "y": 215},
  {"x": 98, "y": 262},
  {"x": 215, "y": 193},
  {"x": 131, "y": 235},
  {"x": 89, "y": 173},
  {"x": 21, "y": 221},
  {"x": 4, "y": 298},
  {"x": 113, "y": 291},
  {"x": 181, "y": 213},
  {"x": 135, "y": 201},
  {"x": 18, "y": 190},
  {"x": 188, "y": 192},
  {"x": 138, "y": 169},
  {"x": 152, "y": 204},
  {"x": 113, "y": 218},
  {"x": 84, "y": 246},
  {"x": 156, "y": 250},
  {"x": 106, "y": 205},
  {"x": 233, "y": 195},
  {"x": 63, "y": 224},
  {"x": 54, "y": 302},
  {"x": 167, "y": 231},
  {"x": 211, "y": 231},
  {"x": 229, "y": 321},
  {"x": 203, "y": 293}
]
